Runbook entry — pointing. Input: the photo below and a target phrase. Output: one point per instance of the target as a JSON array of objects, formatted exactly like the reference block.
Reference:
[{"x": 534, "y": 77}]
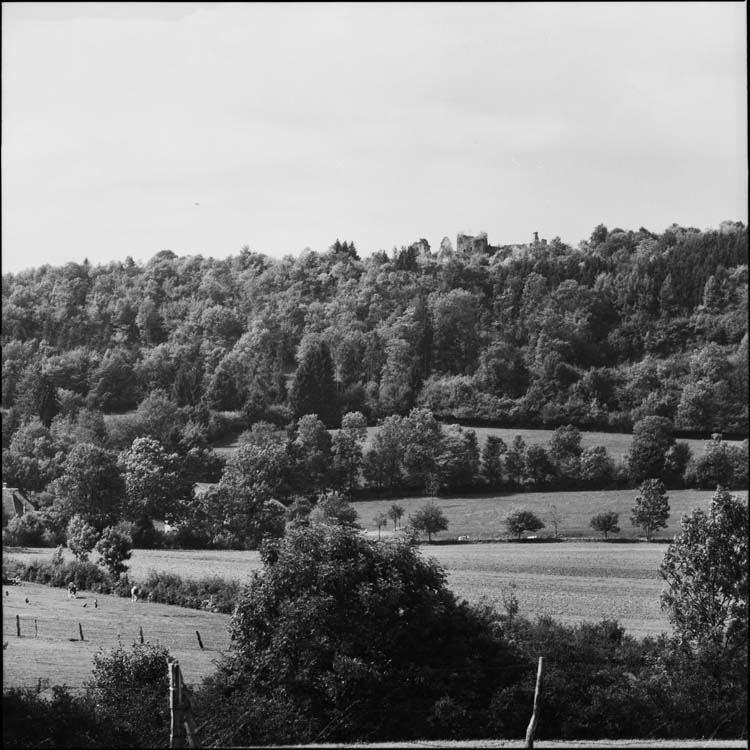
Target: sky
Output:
[{"x": 201, "y": 128}]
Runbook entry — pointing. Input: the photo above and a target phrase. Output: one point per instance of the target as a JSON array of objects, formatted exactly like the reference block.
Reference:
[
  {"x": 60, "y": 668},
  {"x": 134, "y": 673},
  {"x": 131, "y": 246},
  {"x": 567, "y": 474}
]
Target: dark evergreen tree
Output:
[{"x": 313, "y": 389}]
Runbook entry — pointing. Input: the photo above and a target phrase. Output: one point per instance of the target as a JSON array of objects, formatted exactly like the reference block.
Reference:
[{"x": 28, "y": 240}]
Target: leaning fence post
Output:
[
  {"x": 200, "y": 642},
  {"x": 537, "y": 701},
  {"x": 18, "y": 626}
]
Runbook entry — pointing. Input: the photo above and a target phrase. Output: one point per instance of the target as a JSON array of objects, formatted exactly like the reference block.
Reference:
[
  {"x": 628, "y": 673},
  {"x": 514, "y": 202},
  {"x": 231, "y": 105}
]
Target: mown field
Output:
[
  {"x": 481, "y": 517},
  {"x": 50, "y": 647},
  {"x": 570, "y": 581}
]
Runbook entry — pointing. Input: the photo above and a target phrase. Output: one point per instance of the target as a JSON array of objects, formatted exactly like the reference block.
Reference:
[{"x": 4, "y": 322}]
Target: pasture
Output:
[
  {"x": 481, "y": 517},
  {"x": 50, "y": 647},
  {"x": 570, "y": 581}
]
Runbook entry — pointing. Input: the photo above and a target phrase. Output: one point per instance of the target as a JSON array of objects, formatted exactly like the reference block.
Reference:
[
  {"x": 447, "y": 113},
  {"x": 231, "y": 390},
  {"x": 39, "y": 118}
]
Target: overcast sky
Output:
[{"x": 291, "y": 125}]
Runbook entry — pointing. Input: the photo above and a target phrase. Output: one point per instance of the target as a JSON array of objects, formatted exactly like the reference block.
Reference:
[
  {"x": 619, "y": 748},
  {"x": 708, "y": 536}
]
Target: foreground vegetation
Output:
[{"x": 342, "y": 638}]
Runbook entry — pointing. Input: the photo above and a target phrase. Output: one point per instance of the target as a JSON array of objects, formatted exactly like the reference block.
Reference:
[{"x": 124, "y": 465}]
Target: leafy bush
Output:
[
  {"x": 168, "y": 588},
  {"x": 31, "y": 719},
  {"x": 605, "y": 522},
  {"x": 188, "y": 535},
  {"x": 114, "y": 548},
  {"x": 142, "y": 533},
  {"x": 86, "y": 575},
  {"x": 27, "y": 530},
  {"x": 341, "y": 638},
  {"x": 128, "y": 689},
  {"x": 123, "y": 706}
]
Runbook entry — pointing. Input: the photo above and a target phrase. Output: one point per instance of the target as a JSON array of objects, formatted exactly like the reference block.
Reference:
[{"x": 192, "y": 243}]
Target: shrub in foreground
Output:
[
  {"x": 341, "y": 638},
  {"x": 123, "y": 705},
  {"x": 601, "y": 683},
  {"x": 60, "y": 720},
  {"x": 128, "y": 690}
]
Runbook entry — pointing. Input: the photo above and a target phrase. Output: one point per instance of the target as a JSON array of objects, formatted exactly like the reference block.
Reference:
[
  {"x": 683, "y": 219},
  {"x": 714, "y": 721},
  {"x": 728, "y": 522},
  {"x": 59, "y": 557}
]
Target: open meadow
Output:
[
  {"x": 50, "y": 647},
  {"x": 481, "y": 516}
]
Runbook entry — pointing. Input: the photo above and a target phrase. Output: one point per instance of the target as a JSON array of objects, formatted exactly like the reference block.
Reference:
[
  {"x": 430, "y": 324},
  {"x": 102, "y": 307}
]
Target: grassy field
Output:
[
  {"x": 481, "y": 517},
  {"x": 570, "y": 581},
  {"x": 50, "y": 647}
]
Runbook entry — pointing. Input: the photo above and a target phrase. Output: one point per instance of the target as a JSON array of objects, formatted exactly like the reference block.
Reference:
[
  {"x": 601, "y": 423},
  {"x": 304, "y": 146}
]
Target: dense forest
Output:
[
  {"x": 626, "y": 325},
  {"x": 118, "y": 379}
]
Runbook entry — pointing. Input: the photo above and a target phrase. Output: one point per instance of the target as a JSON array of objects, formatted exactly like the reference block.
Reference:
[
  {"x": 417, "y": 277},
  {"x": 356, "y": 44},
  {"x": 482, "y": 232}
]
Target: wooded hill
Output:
[{"x": 627, "y": 324}]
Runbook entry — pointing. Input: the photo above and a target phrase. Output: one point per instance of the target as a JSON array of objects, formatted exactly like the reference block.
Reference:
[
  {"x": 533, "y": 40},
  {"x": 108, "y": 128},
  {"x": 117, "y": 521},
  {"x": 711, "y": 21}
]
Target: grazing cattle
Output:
[
  {"x": 135, "y": 592},
  {"x": 72, "y": 590}
]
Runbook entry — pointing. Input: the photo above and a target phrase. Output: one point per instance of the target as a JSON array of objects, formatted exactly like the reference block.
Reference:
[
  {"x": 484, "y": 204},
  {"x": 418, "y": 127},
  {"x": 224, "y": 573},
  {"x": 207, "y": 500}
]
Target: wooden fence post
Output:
[
  {"x": 176, "y": 725},
  {"x": 141, "y": 629},
  {"x": 182, "y": 730},
  {"x": 18, "y": 626},
  {"x": 190, "y": 730},
  {"x": 80, "y": 630},
  {"x": 200, "y": 642},
  {"x": 537, "y": 703}
]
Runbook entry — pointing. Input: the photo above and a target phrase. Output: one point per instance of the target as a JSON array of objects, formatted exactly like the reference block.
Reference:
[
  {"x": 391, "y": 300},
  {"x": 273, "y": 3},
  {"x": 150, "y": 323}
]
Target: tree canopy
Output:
[
  {"x": 342, "y": 637},
  {"x": 706, "y": 572}
]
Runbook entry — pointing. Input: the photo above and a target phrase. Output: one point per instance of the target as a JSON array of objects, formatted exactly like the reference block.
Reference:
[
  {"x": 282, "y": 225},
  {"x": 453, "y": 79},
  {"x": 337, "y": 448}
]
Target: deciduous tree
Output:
[
  {"x": 706, "y": 572},
  {"x": 429, "y": 519},
  {"x": 82, "y": 537},
  {"x": 91, "y": 485},
  {"x": 395, "y": 512},
  {"x": 605, "y": 522},
  {"x": 652, "y": 438},
  {"x": 521, "y": 521},
  {"x": 651, "y": 509},
  {"x": 154, "y": 487},
  {"x": 341, "y": 637},
  {"x": 347, "y": 450},
  {"x": 380, "y": 520},
  {"x": 491, "y": 466},
  {"x": 114, "y": 549}
]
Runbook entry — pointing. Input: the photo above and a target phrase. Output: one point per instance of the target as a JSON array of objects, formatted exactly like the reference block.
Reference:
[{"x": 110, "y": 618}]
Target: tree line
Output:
[{"x": 279, "y": 476}]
